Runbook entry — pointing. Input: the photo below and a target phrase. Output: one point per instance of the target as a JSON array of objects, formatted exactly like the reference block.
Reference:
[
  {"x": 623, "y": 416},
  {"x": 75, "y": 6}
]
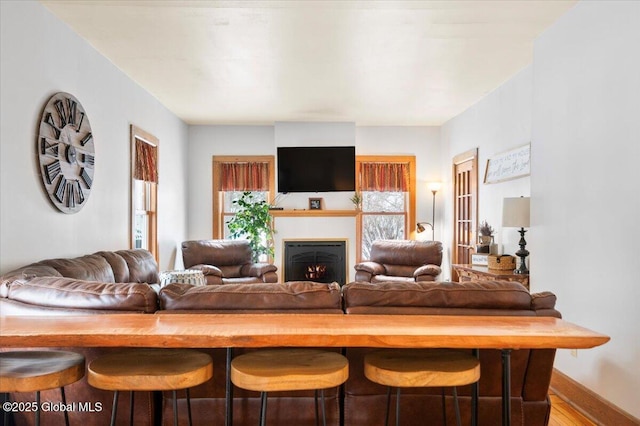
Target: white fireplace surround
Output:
[{"x": 323, "y": 228}]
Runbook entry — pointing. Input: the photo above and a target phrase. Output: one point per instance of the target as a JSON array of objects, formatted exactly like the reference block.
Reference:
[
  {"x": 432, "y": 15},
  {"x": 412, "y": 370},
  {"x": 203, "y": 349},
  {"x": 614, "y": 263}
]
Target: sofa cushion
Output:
[
  {"x": 142, "y": 266},
  {"x": 216, "y": 252},
  {"x": 59, "y": 292},
  {"x": 406, "y": 252},
  {"x": 91, "y": 267},
  {"x": 296, "y": 295},
  {"x": 468, "y": 295},
  {"x": 118, "y": 265}
]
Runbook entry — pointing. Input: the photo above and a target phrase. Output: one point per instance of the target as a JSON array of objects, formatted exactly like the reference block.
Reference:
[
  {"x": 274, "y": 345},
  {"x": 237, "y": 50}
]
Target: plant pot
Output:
[{"x": 486, "y": 239}]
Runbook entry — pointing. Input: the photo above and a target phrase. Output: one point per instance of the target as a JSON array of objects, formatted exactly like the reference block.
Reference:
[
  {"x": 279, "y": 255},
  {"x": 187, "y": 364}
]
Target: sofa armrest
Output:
[
  {"x": 432, "y": 270},
  {"x": 544, "y": 303},
  {"x": 373, "y": 268},
  {"x": 257, "y": 269},
  {"x": 208, "y": 270}
]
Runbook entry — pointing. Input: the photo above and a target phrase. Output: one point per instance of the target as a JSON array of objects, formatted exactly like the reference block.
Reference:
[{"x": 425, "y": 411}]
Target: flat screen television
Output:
[{"x": 316, "y": 169}]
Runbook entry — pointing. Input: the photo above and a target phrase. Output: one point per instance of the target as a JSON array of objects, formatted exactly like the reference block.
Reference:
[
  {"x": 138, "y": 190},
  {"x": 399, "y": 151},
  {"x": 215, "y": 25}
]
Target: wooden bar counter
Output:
[
  {"x": 300, "y": 330},
  {"x": 296, "y": 330}
]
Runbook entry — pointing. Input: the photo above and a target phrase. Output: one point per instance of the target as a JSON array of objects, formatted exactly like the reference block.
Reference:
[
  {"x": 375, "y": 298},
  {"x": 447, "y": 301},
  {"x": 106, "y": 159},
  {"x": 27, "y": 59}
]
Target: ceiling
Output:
[{"x": 368, "y": 62}]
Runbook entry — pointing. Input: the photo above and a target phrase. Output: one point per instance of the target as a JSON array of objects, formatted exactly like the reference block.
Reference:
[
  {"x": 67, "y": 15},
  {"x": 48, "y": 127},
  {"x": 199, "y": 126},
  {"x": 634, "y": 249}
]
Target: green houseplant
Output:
[
  {"x": 356, "y": 199},
  {"x": 254, "y": 222}
]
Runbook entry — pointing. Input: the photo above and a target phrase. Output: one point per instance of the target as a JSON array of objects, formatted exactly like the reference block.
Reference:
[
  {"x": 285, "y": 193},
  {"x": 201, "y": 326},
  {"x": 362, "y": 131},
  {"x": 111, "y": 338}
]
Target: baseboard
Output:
[{"x": 588, "y": 403}]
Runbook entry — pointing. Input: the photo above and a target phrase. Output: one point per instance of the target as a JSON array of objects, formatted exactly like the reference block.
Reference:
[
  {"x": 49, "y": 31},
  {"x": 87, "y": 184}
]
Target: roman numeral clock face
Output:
[{"x": 66, "y": 153}]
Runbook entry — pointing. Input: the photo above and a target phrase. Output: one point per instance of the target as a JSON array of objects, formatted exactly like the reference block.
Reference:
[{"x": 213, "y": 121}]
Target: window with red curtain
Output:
[
  {"x": 387, "y": 185},
  {"x": 384, "y": 177},
  {"x": 144, "y": 190},
  {"x": 233, "y": 175},
  {"x": 146, "y": 159},
  {"x": 244, "y": 176}
]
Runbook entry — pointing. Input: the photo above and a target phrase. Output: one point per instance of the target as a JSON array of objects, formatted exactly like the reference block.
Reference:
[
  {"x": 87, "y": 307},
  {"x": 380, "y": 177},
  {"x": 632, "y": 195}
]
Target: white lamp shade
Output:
[
  {"x": 434, "y": 186},
  {"x": 515, "y": 212}
]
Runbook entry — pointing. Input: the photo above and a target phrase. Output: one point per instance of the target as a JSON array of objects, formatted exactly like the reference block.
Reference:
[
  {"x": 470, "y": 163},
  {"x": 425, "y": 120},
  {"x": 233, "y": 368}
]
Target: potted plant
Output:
[
  {"x": 357, "y": 200},
  {"x": 254, "y": 222},
  {"x": 486, "y": 233}
]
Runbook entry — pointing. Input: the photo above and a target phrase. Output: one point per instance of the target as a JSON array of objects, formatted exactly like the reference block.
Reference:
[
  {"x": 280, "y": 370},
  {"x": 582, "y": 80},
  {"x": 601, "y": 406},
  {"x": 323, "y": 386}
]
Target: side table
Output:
[
  {"x": 186, "y": 276},
  {"x": 477, "y": 273}
]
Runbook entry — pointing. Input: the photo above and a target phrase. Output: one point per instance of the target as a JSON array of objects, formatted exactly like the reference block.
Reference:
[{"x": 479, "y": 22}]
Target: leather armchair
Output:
[
  {"x": 226, "y": 262},
  {"x": 401, "y": 261}
]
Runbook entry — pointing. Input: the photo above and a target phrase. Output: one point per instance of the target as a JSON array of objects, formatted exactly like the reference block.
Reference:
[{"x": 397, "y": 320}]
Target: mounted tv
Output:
[{"x": 316, "y": 169}]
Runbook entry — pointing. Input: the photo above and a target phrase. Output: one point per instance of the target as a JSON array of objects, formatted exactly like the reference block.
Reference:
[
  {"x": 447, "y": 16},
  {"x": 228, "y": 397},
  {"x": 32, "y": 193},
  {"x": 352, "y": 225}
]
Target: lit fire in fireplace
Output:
[{"x": 315, "y": 272}]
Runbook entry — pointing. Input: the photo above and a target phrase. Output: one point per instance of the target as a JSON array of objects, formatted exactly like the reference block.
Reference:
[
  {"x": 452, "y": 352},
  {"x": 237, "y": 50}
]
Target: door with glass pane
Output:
[{"x": 465, "y": 198}]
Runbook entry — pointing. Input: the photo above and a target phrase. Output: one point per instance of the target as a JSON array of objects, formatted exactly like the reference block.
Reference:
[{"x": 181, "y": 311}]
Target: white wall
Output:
[
  {"x": 499, "y": 122},
  {"x": 204, "y": 143},
  {"x": 584, "y": 188},
  {"x": 41, "y": 56},
  {"x": 424, "y": 143}
]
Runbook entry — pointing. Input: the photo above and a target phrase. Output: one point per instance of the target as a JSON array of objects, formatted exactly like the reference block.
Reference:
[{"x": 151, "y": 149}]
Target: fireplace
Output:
[{"x": 319, "y": 261}]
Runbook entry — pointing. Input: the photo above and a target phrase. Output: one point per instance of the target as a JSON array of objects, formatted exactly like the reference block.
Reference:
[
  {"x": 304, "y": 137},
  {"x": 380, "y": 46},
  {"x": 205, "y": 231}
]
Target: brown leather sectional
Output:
[{"x": 116, "y": 282}]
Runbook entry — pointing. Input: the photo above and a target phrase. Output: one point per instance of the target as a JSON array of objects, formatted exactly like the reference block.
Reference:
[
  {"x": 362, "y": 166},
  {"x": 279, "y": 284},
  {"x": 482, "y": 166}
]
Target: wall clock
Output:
[{"x": 66, "y": 152}]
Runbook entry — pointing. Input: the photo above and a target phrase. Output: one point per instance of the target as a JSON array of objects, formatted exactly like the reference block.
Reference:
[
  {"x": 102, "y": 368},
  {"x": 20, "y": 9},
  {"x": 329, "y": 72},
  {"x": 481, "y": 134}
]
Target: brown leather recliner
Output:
[
  {"x": 401, "y": 261},
  {"x": 226, "y": 262}
]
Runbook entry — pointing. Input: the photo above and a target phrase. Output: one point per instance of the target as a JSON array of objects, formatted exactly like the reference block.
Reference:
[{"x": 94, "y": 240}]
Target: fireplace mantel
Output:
[{"x": 311, "y": 213}]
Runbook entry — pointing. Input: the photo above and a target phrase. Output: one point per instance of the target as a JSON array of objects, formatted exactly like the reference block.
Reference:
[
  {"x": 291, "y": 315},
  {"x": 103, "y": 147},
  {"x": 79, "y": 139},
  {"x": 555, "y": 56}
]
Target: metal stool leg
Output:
[
  {"x": 324, "y": 412},
  {"x": 263, "y": 408},
  {"x": 114, "y": 409},
  {"x": 5, "y": 416},
  {"x": 229, "y": 390},
  {"x": 131, "y": 407},
  {"x": 38, "y": 408},
  {"x": 398, "y": 407},
  {"x": 175, "y": 407},
  {"x": 64, "y": 403},
  {"x": 455, "y": 401},
  {"x": 189, "y": 406},
  {"x": 315, "y": 399},
  {"x": 444, "y": 407},
  {"x": 386, "y": 418}
]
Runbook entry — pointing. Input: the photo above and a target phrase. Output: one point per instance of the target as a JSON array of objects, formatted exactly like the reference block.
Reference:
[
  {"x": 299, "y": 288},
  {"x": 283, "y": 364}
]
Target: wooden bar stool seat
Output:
[
  {"x": 35, "y": 371},
  {"x": 287, "y": 370},
  {"x": 150, "y": 370},
  {"x": 421, "y": 368}
]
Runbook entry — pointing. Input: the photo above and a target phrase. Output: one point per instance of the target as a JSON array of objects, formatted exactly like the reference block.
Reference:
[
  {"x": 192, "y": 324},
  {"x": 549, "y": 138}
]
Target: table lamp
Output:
[{"x": 515, "y": 214}]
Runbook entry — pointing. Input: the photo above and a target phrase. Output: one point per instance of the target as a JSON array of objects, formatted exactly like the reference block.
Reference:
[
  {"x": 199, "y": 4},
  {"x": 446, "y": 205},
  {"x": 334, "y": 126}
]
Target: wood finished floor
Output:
[{"x": 563, "y": 414}]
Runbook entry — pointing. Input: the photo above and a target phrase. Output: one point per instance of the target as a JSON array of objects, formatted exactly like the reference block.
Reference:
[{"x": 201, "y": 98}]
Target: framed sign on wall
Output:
[{"x": 512, "y": 164}]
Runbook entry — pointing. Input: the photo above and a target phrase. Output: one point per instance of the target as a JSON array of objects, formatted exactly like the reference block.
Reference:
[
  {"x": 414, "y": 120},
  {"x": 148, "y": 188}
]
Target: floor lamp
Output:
[
  {"x": 515, "y": 214},
  {"x": 420, "y": 227}
]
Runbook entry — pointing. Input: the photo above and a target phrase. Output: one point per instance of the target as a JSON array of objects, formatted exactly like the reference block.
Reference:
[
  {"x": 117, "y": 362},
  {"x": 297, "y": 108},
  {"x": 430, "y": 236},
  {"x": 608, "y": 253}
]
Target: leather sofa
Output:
[
  {"x": 401, "y": 261},
  {"x": 226, "y": 262},
  {"x": 284, "y": 408},
  {"x": 99, "y": 283},
  {"x": 116, "y": 282},
  {"x": 365, "y": 402}
]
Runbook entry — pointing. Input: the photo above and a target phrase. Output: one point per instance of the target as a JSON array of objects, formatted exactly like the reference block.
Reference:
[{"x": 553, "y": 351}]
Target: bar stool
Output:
[
  {"x": 287, "y": 370},
  {"x": 150, "y": 370},
  {"x": 422, "y": 368},
  {"x": 29, "y": 371}
]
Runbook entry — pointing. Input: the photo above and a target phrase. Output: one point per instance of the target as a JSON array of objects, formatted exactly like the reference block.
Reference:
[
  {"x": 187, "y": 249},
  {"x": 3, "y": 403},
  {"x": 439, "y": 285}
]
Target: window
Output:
[
  {"x": 387, "y": 186},
  {"x": 234, "y": 175},
  {"x": 144, "y": 191}
]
